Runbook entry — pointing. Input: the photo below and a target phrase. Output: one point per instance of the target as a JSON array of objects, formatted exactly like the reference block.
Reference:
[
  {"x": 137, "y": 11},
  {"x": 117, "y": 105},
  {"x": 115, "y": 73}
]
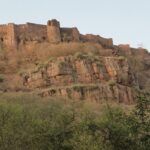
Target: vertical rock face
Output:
[
  {"x": 90, "y": 71},
  {"x": 53, "y": 31},
  {"x": 99, "y": 92},
  {"x": 118, "y": 69},
  {"x": 85, "y": 78}
]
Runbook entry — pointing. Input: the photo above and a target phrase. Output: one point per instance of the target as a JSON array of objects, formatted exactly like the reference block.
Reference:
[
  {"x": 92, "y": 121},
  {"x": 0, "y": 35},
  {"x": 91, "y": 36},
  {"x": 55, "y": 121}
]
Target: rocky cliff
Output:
[
  {"x": 88, "y": 76},
  {"x": 88, "y": 68}
]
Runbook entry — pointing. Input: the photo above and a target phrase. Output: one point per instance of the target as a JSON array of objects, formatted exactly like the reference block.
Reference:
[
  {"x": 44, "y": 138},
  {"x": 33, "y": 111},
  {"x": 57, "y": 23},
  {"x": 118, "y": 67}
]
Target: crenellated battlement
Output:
[{"x": 13, "y": 35}]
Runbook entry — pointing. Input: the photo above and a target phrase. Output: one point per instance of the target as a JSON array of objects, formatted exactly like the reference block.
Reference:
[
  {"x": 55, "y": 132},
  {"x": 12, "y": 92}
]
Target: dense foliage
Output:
[{"x": 28, "y": 122}]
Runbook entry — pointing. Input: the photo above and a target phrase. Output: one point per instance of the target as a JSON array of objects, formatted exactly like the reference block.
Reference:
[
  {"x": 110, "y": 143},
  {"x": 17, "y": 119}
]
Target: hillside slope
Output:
[{"x": 90, "y": 68}]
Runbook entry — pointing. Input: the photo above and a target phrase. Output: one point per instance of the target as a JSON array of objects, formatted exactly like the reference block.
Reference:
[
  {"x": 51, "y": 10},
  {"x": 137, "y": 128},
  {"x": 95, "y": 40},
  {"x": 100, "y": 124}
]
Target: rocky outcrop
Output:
[
  {"x": 84, "y": 77},
  {"x": 93, "y": 92},
  {"x": 83, "y": 69}
]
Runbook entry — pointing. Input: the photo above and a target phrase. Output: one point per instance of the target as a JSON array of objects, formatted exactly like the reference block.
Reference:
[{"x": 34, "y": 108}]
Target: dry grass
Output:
[
  {"x": 12, "y": 62},
  {"x": 27, "y": 57},
  {"x": 44, "y": 50}
]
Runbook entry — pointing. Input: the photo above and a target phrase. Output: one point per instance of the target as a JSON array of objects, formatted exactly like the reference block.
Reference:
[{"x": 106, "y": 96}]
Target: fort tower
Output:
[{"x": 53, "y": 31}]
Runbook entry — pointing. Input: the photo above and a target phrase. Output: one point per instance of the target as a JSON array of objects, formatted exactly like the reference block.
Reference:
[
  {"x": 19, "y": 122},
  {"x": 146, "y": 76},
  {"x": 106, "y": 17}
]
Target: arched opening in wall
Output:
[
  {"x": 44, "y": 38},
  {"x": 18, "y": 40},
  {"x": 2, "y": 39}
]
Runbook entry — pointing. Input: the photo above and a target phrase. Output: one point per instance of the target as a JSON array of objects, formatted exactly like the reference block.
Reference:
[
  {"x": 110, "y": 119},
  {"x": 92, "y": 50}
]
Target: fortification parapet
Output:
[{"x": 13, "y": 35}]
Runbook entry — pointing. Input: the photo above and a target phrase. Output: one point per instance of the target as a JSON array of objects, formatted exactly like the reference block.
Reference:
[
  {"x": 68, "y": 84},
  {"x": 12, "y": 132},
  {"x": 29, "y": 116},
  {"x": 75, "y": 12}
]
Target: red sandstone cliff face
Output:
[
  {"x": 109, "y": 74},
  {"x": 80, "y": 69},
  {"x": 85, "y": 77},
  {"x": 93, "y": 92}
]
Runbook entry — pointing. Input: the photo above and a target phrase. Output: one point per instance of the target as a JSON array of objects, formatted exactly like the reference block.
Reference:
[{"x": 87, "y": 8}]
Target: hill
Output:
[{"x": 50, "y": 60}]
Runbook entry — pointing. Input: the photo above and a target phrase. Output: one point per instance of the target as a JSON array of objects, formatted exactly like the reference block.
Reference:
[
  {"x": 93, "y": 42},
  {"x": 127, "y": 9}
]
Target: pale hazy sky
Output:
[{"x": 126, "y": 21}]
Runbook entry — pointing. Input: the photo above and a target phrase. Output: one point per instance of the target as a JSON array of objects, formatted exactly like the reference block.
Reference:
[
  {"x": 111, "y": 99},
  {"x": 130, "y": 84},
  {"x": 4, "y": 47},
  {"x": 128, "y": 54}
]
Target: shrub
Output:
[
  {"x": 79, "y": 55},
  {"x": 121, "y": 58},
  {"x": 30, "y": 122},
  {"x": 1, "y": 78},
  {"x": 112, "y": 82}
]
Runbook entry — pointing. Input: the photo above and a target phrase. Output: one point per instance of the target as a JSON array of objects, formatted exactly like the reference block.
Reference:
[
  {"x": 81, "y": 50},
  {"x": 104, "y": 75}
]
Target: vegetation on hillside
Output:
[
  {"x": 27, "y": 57},
  {"x": 29, "y": 122}
]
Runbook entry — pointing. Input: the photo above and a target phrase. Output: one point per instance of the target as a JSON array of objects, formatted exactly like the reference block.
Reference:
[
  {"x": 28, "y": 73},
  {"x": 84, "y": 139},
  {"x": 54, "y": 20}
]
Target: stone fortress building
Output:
[{"x": 13, "y": 35}]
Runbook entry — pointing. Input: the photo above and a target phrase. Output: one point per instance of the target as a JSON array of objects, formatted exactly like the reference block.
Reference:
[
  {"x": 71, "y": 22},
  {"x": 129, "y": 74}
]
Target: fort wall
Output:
[
  {"x": 108, "y": 43},
  {"x": 70, "y": 34},
  {"x": 3, "y": 34},
  {"x": 53, "y": 31},
  {"x": 13, "y": 35},
  {"x": 125, "y": 48},
  {"x": 31, "y": 32},
  {"x": 8, "y": 35},
  {"x": 3, "y": 29}
]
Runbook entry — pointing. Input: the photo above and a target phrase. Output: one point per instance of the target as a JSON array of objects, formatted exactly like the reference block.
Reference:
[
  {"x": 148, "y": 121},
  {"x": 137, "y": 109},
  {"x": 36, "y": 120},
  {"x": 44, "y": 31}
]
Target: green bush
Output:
[
  {"x": 30, "y": 122},
  {"x": 112, "y": 82},
  {"x": 1, "y": 78}
]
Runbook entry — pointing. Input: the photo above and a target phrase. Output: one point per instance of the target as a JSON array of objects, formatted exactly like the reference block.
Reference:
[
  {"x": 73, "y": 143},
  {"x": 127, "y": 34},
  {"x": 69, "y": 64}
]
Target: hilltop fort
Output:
[
  {"x": 51, "y": 60},
  {"x": 12, "y": 35}
]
